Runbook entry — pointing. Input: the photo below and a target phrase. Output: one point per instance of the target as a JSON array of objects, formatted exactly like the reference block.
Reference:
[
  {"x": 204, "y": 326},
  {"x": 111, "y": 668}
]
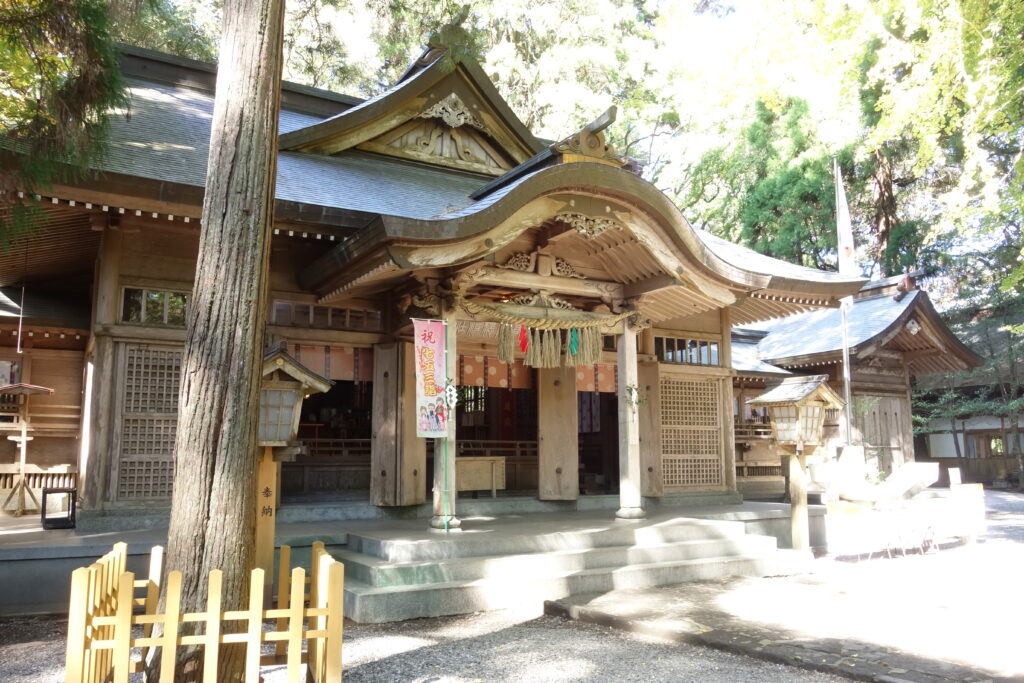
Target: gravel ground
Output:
[
  {"x": 509, "y": 646},
  {"x": 493, "y": 646}
]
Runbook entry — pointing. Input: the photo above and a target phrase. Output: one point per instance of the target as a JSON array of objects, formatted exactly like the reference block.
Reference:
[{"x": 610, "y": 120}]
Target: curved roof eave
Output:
[
  {"x": 391, "y": 98},
  {"x": 490, "y": 211},
  {"x": 922, "y": 305}
]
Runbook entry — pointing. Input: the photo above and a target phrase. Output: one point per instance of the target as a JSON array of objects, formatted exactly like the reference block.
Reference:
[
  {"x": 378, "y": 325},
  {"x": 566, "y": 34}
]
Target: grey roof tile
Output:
[
  {"x": 744, "y": 359},
  {"x": 748, "y": 259},
  {"x": 167, "y": 138},
  {"x": 821, "y": 332},
  {"x": 791, "y": 389}
]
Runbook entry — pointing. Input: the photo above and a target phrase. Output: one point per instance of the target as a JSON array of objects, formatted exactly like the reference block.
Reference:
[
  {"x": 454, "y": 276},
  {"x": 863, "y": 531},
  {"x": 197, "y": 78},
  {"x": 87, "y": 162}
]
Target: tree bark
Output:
[
  {"x": 885, "y": 209},
  {"x": 212, "y": 515}
]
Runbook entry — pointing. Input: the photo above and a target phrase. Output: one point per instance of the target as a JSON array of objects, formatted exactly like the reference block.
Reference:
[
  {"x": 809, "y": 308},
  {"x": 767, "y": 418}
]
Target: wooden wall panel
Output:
[
  {"x": 651, "y": 480},
  {"x": 557, "y": 433}
]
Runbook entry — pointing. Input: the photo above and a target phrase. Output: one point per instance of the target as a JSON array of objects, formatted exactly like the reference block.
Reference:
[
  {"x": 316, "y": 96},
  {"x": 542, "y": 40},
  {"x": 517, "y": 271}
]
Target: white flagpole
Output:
[{"x": 847, "y": 266}]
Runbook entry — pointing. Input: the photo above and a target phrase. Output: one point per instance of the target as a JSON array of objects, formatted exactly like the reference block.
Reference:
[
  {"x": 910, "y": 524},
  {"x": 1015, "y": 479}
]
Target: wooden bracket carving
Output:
[{"x": 589, "y": 226}]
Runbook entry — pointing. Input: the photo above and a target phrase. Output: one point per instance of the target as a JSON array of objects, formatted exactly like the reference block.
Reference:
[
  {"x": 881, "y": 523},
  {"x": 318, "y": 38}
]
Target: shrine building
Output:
[{"x": 593, "y": 354}]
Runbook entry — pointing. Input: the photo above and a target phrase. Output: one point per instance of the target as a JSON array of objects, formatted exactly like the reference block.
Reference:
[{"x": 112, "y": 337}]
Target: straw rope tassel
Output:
[{"x": 506, "y": 343}]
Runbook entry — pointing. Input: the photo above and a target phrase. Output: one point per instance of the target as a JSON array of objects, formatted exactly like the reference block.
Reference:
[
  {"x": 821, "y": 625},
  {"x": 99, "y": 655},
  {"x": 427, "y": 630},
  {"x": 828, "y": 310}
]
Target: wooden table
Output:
[{"x": 480, "y": 473}]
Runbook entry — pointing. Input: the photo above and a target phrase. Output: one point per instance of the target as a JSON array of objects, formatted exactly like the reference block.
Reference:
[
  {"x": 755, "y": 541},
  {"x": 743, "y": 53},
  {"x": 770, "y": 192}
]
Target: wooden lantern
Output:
[
  {"x": 796, "y": 409},
  {"x": 285, "y": 384}
]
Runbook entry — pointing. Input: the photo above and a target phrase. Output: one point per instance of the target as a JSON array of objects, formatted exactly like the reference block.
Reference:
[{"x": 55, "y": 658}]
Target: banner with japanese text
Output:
[{"x": 431, "y": 407}]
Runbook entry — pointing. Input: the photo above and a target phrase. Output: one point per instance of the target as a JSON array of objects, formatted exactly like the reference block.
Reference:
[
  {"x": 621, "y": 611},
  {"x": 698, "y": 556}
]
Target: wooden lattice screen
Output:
[
  {"x": 691, "y": 427},
  {"x": 150, "y": 377}
]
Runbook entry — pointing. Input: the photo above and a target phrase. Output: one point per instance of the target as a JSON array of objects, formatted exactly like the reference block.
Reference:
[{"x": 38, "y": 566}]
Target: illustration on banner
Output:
[{"x": 431, "y": 401}]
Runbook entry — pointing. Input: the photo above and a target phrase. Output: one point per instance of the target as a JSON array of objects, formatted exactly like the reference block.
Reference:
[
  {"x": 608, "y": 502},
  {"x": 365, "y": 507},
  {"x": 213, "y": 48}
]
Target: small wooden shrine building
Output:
[
  {"x": 431, "y": 200},
  {"x": 895, "y": 334}
]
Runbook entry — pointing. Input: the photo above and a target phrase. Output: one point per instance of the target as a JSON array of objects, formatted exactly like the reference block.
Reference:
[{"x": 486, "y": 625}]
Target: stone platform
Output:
[{"x": 399, "y": 568}]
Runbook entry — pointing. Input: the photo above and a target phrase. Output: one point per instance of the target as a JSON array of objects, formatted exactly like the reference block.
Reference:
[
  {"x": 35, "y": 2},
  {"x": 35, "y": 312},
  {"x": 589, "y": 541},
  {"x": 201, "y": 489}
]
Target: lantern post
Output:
[
  {"x": 796, "y": 408},
  {"x": 284, "y": 386}
]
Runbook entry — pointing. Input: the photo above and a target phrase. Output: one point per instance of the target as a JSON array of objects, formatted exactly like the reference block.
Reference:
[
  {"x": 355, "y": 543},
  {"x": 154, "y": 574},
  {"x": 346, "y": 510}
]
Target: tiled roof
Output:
[
  {"x": 790, "y": 390},
  {"x": 167, "y": 138},
  {"x": 750, "y": 260},
  {"x": 820, "y": 331},
  {"x": 745, "y": 360}
]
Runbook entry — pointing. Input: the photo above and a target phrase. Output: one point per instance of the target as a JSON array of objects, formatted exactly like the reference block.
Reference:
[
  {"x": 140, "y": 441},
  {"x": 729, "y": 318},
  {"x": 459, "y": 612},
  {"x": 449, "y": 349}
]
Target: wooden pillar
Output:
[
  {"x": 729, "y": 422},
  {"x": 97, "y": 453},
  {"x": 652, "y": 483},
  {"x": 558, "y": 452},
  {"x": 397, "y": 455},
  {"x": 445, "y": 487},
  {"x": 630, "y": 501},
  {"x": 266, "y": 512},
  {"x": 799, "y": 530}
]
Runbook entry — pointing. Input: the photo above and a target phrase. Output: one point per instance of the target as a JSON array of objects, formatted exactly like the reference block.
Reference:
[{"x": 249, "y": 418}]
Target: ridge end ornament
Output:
[{"x": 454, "y": 112}]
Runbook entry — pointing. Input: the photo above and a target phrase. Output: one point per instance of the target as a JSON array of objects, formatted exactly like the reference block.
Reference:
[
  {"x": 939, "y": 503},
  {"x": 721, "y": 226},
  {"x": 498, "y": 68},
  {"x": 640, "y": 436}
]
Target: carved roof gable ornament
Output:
[
  {"x": 590, "y": 142},
  {"x": 589, "y": 226},
  {"x": 454, "y": 112}
]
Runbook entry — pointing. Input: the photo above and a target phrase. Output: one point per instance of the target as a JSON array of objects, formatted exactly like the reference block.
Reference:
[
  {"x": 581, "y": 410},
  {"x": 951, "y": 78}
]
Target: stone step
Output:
[
  {"x": 472, "y": 544},
  {"x": 375, "y": 571},
  {"x": 374, "y": 604}
]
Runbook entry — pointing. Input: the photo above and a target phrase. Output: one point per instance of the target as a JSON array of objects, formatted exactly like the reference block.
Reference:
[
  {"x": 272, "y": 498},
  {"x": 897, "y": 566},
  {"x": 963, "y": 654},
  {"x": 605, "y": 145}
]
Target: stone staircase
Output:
[{"x": 391, "y": 578}]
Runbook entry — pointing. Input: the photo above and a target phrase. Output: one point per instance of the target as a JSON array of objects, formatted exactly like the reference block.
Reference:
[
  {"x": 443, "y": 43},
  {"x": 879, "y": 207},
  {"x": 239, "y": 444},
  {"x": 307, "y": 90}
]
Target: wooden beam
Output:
[
  {"x": 500, "y": 277},
  {"x": 650, "y": 285}
]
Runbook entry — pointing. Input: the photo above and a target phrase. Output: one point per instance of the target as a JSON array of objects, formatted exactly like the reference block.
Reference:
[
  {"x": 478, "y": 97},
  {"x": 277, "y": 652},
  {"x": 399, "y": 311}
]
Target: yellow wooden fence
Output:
[{"x": 102, "y": 645}]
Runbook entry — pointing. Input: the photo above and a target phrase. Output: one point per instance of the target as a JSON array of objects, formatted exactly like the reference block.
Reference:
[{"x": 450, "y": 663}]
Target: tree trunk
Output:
[
  {"x": 885, "y": 209},
  {"x": 956, "y": 444},
  {"x": 212, "y": 515}
]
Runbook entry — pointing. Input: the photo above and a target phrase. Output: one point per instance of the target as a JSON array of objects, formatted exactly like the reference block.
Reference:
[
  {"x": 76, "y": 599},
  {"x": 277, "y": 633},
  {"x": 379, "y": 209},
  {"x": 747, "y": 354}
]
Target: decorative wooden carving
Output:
[
  {"x": 913, "y": 327},
  {"x": 543, "y": 299},
  {"x": 589, "y": 226},
  {"x": 520, "y": 261},
  {"x": 430, "y": 303},
  {"x": 454, "y": 112},
  {"x": 563, "y": 268}
]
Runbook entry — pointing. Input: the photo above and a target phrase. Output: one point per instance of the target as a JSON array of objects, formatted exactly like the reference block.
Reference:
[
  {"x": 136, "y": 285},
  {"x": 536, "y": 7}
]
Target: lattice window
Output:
[
  {"x": 149, "y": 384},
  {"x": 151, "y": 381},
  {"x": 691, "y": 433},
  {"x": 145, "y": 478}
]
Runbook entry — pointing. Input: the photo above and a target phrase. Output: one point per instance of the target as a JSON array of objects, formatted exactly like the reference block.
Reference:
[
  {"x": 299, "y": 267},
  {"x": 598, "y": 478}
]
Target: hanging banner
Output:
[{"x": 431, "y": 406}]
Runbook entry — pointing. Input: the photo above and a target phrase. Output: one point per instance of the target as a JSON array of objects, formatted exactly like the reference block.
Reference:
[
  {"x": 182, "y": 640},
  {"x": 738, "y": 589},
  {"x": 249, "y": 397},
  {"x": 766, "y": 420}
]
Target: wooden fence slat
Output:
[
  {"x": 335, "y": 602},
  {"x": 255, "y": 632},
  {"x": 172, "y": 613},
  {"x": 78, "y": 611},
  {"x": 283, "y": 591},
  {"x": 122, "y": 652},
  {"x": 312, "y": 644},
  {"x": 296, "y": 620},
  {"x": 156, "y": 568},
  {"x": 211, "y": 651},
  {"x": 101, "y": 621}
]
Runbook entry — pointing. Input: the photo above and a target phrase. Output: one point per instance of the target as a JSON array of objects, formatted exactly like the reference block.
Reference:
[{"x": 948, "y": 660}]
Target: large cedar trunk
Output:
[
  {"x": 885, "y": 208},
  {"x": 212, "y": 515}
]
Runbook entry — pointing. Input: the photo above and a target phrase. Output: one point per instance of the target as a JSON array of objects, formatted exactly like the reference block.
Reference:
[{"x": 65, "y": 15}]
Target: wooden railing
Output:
[
  {"x": 341, "y": 451},
  {"x": 479, "y": 448},
  {"x": 758, "y": 469},
  {"x": 757, "y": 429},
  {"x": 36, "y": 477},
  {"x": 101, "y": 641},
  {"x": 43, "y": 417}
]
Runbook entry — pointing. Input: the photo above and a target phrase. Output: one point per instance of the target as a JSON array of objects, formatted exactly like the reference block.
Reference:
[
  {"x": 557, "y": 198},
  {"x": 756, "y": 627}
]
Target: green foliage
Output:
[
  {"x": 773, "y": 190},
  {"x": 58, "y": 79}
]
